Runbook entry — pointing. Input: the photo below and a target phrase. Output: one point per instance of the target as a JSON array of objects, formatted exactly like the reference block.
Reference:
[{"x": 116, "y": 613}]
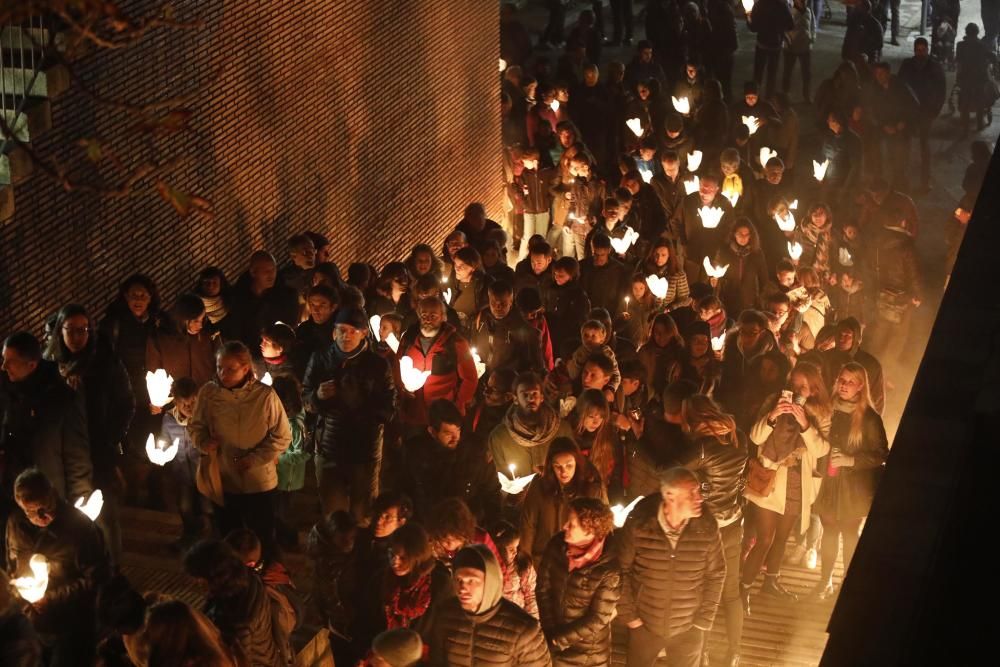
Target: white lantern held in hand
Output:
[
  {"x": 794, "y": 206},
  {"x": 476, "y": 359},
  {"x": 392, "y": 341},
  {"x": 681, "y": 105},
  {"x": 766, "y": 154},
  {"x": 714, "y": 271},
  {"x": 718, "y": 342},
  {"x": 794, "y": 250},
  {"x": 413, "y": 378},
  {"x": 503, "y": 65},
  {"x": 92, "y": 506},
  {"x": 747, "y": 6},
  {"x": 694, "y": 160},
  {"x": 447, "y": 296},
  {"x": 555, "y": 105},
  {"x": 710, "y": 216},
  {"x": 658, "y": 286},
  {"x": 819, "y": 169},
  {"x": 635, "y": 125},
  {"x": 161, "y": 456},
  {"x": 844, "y": 255},
  {"x": 692, "y": 185},
  {"x": 786, "y": 222},
  {"x": 267, "y": 379},
  {"x": 646, "y": 174},
  {"x": 158, "y": 385},
  {"x": 621, "y": 512},
  {"x": 752, "y": 123},
  {"x": 515, "y": 484},
  {"x": 32, "y": 587}
]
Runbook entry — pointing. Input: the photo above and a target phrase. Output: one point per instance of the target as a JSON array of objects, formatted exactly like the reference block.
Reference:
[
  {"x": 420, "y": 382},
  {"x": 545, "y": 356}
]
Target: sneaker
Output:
[
  {"x": 773, "y": 588},
  {"x": 811, "y": 559}
]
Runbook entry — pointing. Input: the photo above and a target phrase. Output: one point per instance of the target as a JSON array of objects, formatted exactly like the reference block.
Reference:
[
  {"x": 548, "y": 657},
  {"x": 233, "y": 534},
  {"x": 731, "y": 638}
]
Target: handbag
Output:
[
  {"x": 760, "y": 480},
  {"x": 208, "y": 478}
]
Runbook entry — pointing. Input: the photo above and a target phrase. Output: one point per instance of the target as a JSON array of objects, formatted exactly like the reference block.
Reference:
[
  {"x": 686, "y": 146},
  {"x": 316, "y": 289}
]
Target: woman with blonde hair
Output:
[
  {"x": 595, "y": 435},
  {"x": 176, "y": 635},
  {"x": 858, "y": 450},
  {"x": 718, "y": 455},
  {"x": 791, "y": 433}
]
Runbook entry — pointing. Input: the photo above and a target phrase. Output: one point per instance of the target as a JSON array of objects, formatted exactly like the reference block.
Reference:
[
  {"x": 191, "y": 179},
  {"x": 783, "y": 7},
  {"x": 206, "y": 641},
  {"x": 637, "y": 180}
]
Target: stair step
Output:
[{"x": 19, "y": 37}]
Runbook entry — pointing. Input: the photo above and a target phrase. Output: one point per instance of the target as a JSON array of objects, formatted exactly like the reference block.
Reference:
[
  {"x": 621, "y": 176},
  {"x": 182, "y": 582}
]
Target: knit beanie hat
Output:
[
  {"x": 355, "y": 317},
  {"x": 399, "y": 647}
]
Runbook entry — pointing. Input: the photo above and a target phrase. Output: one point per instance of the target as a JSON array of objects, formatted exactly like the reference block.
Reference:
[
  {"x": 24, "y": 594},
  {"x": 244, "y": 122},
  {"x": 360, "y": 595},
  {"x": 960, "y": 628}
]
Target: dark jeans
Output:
[
  {"x": 832, "y": 530},
  {"x": 765, "y": 69},
  {"x": 554, "y": 29},
  {"x": 683, "y": 650},
  {"x": 771, "y": 531},
  {"x": 732, "y": 607},
  {"x": 597, "y": 7},
  {"x": 110, "y": 524},
  {"x": 621, "y": 16},
  {"x": 894, "y": 8},
  {"x": 722, "y": 67},
  {"x": 805, "y": 63},
  {"x": 253, "y": 511},
  {"x": 347, "y": 486}
]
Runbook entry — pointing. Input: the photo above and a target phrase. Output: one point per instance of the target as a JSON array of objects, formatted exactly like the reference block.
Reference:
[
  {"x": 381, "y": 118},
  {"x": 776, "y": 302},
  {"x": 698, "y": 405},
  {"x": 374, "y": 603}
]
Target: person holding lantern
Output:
[{"x": 76, "y": 565}]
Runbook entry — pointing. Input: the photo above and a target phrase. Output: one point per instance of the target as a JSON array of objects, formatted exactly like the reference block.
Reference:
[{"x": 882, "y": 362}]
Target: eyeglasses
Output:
[{"x": 76, "y": 330}]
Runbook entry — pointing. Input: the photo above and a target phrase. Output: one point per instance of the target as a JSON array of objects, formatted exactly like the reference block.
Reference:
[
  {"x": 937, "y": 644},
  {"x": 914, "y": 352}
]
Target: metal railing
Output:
[{"x": 22, "y": 59}]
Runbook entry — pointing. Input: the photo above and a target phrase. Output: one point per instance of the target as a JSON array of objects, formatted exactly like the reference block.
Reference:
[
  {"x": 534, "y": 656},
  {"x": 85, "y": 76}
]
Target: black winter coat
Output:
[
  {"x": 670, "y": 589},
  {"x": 19, "y": 645},
  {"x": 566, "y": 309},
  {"x": 245, "y": 620},
  {"x": 43, "y": 423},
  {"x": 849, "y": 494},
  {"x": 508, "y": 343},
  {"x": 506, "y": 635},
  {"x": 660, "y": 448},
  {"x": 745, "y": 279},
  {"x": 894, "y": 264},
  {"x": 722, "y": 470},
  {"x": 249, "y": 313},
  {"x": 349, "y": 426},
  {"x": 606, "y": 285},
  {"x": 434, "y": 472},
  {"x": 576, "y": 607},
  {"x": 78, "y": 563}
]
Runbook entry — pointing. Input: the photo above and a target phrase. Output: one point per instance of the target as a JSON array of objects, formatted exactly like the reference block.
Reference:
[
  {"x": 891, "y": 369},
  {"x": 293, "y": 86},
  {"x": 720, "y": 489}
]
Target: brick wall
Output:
[{"x": 372, "y": 122}]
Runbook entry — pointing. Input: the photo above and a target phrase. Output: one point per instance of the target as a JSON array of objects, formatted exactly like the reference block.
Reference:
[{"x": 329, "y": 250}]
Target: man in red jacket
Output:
[{"x": 434, "y": 345}]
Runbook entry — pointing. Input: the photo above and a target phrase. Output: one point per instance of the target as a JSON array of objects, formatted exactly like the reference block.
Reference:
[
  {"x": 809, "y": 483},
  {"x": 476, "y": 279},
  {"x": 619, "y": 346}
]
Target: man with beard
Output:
[
  {"x": 523, "y": 437},
  {"x": 502, "y": 336},
  {"x": 435, "y": 345}
]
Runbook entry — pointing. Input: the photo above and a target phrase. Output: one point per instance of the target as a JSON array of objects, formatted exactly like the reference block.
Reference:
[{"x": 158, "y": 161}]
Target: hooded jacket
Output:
[
  {"x": 576, "y": 607},
  {"x": 876, "y": 380},
  {"x": 247, "y": 422},
  {"x": 545, "y": 510},
  {"x": 497, "y": 633}
]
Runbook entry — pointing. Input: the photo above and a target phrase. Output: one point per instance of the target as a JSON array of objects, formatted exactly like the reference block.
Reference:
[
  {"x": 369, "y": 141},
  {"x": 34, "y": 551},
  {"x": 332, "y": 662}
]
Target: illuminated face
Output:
[
  {"x": 510, "y": 551},
  {"x": 845, "y": 339},
  {"x": 529, "y": 399},
  {"x": 573, "y": 532},
  {"x": 566, "y": 138},
  {"x": 684, "y": 500},
  {"x": 500, "y": 305},
  {"x": 470, "y": 585},
  {"x": 661, "y": 255},
  {"x": 422, "y": 263},
  {"x": 388, "y": 522},
  {"x": 834, "y": 124},
  {"x": 671, "y": 168},
  {"x": 386, "y": 327},
  {"x": 773, "y": 174},
  {"x": 600, "y": 255},
  {"x": 463, "y": 271},
  {"x": 819, "y": 218},
  {"x": 304, "y": 256},
  {"x": 17, "y": 367},
  {"x": 593, "y": 420},
  {"x": 231, "y": 371},
  {"x": 269, "y": 349},
  {"x": 729, "y": 168},
  {"x": 76, "y": 333},
  {"x": 560, "y": 277},
  {"x": 40, "y": 514},
  {"x": 848, "y": 386},
  {"x": 400, "y": 564},
  {"x": 264, "y": 273},
  {"x": 348, "y": 337},
  {"x": 185, "y": 406},
  {"x": 593, "y": 337},
  {"x": 455, "y": 243},
  {"x": 800, "y": 384},
  {"x": 320, "y": 309},
  {"x": 590, "y": 77},
  {"x": 751, "y": 99},
  {"x": 195, "y": 325},
  {"x": 630, "y": 386},
  {"x": 742, "y": 236},
  {"x": 638, "y": 289},
  {"x": 661, "y": 335},
  {"x": 593, "y": 377},
  {"x": 138, "y": 299},
  {"x": 448, "y": 435},
  {"x": 539, "y": 263},
  {"x": 698, "y": 345},
  {"x": 786, "y": 278},
  {"x": 692, "y": 71},
  {"x": 564, "y": 467},
  {"x": 643, "y": 92},
  {"x": 431, "y": 317},
  {"x": 708, "y": 188}
]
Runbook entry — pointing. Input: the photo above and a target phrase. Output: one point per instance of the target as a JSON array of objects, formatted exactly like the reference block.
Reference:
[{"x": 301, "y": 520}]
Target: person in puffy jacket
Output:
[
  {"x": 193, "y": 507},
  {"x": 579, "y": 584},
  {"x": 673, "y": 571},
  {"x": 351, "y": 390},
  {"x": 242, "y": 422},
  {"x": 181, "y": 345},
  {"x": 479, "y": 626},
  {"x": 717, "y": 453}
]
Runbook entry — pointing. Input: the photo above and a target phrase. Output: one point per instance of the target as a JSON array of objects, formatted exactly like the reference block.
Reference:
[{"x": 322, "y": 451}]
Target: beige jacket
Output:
[
  {"x": 816, "y": 446},
  {"x": 248, "y": 422}
]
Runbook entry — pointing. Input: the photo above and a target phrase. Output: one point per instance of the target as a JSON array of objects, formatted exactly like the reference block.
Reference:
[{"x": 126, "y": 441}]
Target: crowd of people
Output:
[{"x": 606, "y": 415}]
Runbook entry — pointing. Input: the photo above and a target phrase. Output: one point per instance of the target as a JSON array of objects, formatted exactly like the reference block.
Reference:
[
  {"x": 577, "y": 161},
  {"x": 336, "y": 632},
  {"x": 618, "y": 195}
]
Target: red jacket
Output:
[{"x": 453, "y": 372}]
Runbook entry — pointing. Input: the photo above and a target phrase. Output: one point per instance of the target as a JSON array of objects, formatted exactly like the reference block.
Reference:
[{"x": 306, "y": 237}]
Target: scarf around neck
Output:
[
  {"x": 407, "y": 604},
  {"x": 528, "y": 435},
  {"x": 580, "y": 556}
]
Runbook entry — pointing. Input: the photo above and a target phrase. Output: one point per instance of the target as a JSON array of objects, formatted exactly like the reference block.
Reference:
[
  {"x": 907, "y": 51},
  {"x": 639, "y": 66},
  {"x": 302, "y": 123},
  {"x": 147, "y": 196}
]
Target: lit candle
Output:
[
  {"x": 819, "y": 169},
  {"x": 158, "y": 385},
  {"x": 92, "y": 506},
  {"x": 635, "y": 125},
  {"x": 32, "y": 587}
]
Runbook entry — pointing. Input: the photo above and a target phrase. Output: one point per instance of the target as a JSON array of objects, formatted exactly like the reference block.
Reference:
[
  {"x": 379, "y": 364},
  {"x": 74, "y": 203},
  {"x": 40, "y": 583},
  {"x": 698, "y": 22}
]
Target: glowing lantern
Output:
[
  {"x": 766, "y": 154},
  {"x": 555, "y": 105},
  {"x": 161, "y": 456},
  {"x": 752, "y": 123},
  {"x": 786, "y": 222},
  {"x": 375, "y": 322},
  {"x": 647, "y": 174},
  {"x": 158, "y": 386},
  {"x": 845, "y": 257},
  {"x": 32, "y": 587},
  {"x": 92, "y": 507},
  {"x": 819, "y": 169},
  {"x": 413, "y": 378},
  {"x": 566, "y": 406},
  {"x": 444, "y": 280},
  {"x": 392, "y": 341},
  {"x": 658, "y": 286},
  {"x": 480, "y": 366},
  {"x": 694, "y": 160},
  {"x": 794, "y": 250},
  {"x": 731, "y": 195},
  {"x": 681, "y": 105},
  {"x": 515, "y": 484},
  {"x": 267, "y": 379},
  {"x": 718, "y": 342},
  {"x": 635, "y": 125},
  {"x": 447, "y": 296},
  {"x": 503, "y": 64},
  {"x": 622, "y": 245},
  {"x": 692, "y": 185},
  {"x": 710, "y": 216},
  {"x": 794, "y": 206},
  {"x": 714, "y": 271},
  {"x": 747, "y": 6},
  {"x": 621, "y": 512}
]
